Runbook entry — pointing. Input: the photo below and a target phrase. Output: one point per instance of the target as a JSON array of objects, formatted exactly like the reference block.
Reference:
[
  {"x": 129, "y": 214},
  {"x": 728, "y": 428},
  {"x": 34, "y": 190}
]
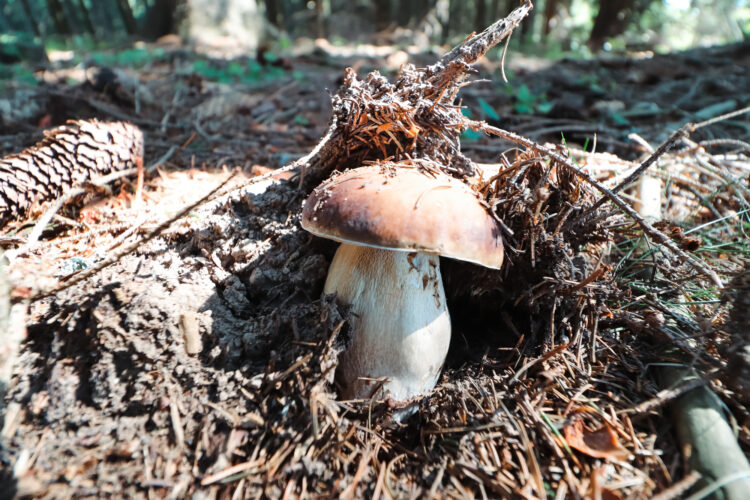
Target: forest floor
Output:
[{"x": 199, "y": 365}]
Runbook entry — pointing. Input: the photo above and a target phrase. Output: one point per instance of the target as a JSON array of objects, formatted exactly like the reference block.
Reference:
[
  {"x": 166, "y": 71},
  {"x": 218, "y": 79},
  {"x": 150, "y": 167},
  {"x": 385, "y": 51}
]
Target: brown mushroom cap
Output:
[{"x": 405, "y": 209}]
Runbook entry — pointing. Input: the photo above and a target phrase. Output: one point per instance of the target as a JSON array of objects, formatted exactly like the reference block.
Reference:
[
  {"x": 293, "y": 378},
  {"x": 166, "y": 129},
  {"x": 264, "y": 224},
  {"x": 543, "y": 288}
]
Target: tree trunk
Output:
[
  {"x": 504, "y": 7},
  {"x": 606, "y": 23},
  {"x": 421, "y": 9},
  {"x": 403, "y": 13},
  {"x": 550, "y": 9},
  {"x": 613, "y": 18},
  {"x": 442, "y": 10},
  {"x": 273, "y": 12},
  {"x": 102, "y": 15},
  {"x": 319, "y": 28},
  {"x": 455, "y": 21},
  {"x": 287, "y": 10},
  {"x": 481, "y": 20},
  {"x": 160, "y": 19},
  {"x": 31, "y": 18},
  {"x": 68, "y": 155},
  {"x": 4, "y": 25},
  {"x": 127, "y": 17},
  {"x": 57, "y": 13},
  {"x": 382, "y": 14},
  {"x": 527, "y": 27},
  {"x": 495, "y": 9},
  {"x": 231, "y": 26},
  {"x": 71, "y": 14},
  {"x": 85, "y": 15}
]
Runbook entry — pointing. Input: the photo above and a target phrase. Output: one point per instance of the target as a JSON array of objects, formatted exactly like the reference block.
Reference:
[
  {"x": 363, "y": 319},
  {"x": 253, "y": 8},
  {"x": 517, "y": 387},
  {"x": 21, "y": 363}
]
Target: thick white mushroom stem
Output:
[{"x": 401, "y": 324}]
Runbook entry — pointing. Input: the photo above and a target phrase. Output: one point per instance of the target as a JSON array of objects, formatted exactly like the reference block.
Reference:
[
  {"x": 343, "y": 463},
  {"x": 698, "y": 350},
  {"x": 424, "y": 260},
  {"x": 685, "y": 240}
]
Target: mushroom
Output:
[{"x": 393, "y": 223}]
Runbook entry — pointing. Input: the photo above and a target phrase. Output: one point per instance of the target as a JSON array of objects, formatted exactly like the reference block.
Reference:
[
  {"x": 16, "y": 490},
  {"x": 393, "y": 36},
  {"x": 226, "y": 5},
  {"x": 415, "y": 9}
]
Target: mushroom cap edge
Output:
[{"x": 405, "y": 209}]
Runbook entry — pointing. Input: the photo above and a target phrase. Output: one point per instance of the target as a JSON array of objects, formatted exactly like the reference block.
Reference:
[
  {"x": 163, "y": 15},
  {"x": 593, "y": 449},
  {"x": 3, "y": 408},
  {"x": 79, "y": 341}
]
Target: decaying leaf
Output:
[{"x": 599, "y": 443}]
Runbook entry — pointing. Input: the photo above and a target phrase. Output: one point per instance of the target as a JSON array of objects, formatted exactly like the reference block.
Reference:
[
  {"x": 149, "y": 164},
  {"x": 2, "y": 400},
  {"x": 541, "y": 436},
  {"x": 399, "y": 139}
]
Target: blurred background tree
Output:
[{"x": 556, "y": 27}]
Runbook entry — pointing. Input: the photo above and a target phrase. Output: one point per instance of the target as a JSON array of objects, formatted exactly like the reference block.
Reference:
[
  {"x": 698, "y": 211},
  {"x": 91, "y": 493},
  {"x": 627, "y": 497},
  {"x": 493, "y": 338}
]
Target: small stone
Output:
[{"x": 190, "y": 329}]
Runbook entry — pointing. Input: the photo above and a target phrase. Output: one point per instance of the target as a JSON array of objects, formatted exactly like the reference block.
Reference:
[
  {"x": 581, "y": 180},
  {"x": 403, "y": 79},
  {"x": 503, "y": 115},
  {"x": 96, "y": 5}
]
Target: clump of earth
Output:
[{"x": 181, "y": 333}]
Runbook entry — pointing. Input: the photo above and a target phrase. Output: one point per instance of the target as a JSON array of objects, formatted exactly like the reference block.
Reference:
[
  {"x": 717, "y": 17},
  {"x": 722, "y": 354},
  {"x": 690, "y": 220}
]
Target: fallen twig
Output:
[
  {"x": 666, "y": 146},
  {"x": 678, "y": 489},
  {"x": 719, "y": 118},
  {"x": 663, "y": 148},
  {"x": 214, "y": 478}
]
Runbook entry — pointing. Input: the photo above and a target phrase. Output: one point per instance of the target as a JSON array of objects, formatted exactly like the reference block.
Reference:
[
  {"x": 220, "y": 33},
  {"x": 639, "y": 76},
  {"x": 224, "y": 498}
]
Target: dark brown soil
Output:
[{"x": 104, "y": 377}]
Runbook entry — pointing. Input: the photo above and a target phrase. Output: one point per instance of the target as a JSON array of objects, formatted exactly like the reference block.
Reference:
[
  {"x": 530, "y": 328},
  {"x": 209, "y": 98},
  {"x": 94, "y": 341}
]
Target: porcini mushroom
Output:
[{"x": 393, "y": 223}]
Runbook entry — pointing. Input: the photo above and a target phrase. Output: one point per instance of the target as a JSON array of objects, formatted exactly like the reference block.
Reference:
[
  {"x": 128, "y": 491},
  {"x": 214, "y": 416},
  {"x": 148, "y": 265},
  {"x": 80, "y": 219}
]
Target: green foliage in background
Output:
[
  {"x": 246, "y": 71},
  {"x": 557, "y": 28},
  {"x": 16, "y": 73},
  {"x": 526, "y": 102},
  {"x": 130, "y": 58}
]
